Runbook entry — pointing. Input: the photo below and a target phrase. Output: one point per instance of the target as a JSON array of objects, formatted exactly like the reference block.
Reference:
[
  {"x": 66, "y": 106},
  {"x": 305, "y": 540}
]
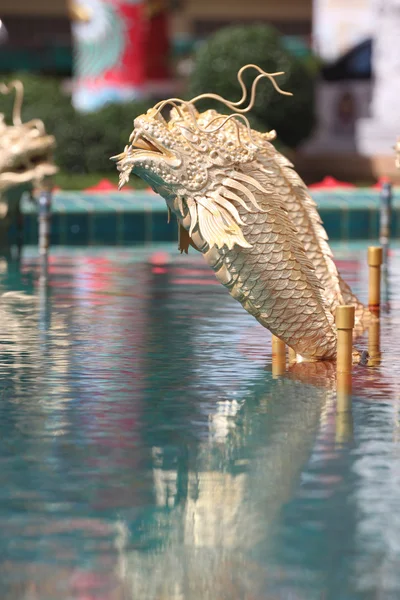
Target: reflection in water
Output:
[
  {"x": 221, "y": 529},
  {"x": 344, "y": 414},
  {"x": 374, "y": 343},
  {"x": 150, "y": 448}
]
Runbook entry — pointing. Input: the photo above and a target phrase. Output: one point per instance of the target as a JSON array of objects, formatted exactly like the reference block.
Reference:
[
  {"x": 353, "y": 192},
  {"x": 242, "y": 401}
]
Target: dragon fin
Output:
[{"x": 184, "y": 240}]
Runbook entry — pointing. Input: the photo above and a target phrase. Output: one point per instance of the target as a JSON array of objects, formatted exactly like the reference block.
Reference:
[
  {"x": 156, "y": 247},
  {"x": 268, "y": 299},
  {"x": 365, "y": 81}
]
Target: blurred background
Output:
[{"x": 90, "y": 66}]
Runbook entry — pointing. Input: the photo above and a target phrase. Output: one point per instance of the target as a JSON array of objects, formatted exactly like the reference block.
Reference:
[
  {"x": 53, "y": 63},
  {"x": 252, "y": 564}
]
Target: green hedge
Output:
[
  {"x": 85, "y": 142},
  {"x": 220, "y": 58}
]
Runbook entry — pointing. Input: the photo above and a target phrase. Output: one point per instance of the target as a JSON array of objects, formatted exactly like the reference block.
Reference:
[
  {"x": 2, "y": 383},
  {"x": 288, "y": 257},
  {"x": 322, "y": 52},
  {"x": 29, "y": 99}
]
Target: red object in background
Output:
[
  {"x": 378, "y": 185},
  {"x": 157, "y": 41},
  {"x": 110, "y": 53},
  {"x": 122, "y": 48},
  {"x": 105, "y": 185},
  {"x": 131, "y": 68},
  {"x": 331, "y": 183},
  {"x": 158, "y": 259}
]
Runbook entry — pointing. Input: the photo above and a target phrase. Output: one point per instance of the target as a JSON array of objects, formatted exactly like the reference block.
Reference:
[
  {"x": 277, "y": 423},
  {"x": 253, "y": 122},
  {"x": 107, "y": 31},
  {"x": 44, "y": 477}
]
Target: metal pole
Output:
[
  {"x": 375, "y": 258},
  {"x": 44, "y": 221},
  {"x": 344, "y": 324},
  {"x": 278, "y": 356},
  {"x": 344, "y": 363},
  {"x": 385, "y": 218}
]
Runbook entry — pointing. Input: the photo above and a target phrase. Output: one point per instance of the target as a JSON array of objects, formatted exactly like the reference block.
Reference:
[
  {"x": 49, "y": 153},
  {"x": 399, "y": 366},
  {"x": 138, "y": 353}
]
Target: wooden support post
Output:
[
  {"x": 375, "y": 257},
  {"x": 344, "y": 325},
  {"x": 278, "y": 356}
]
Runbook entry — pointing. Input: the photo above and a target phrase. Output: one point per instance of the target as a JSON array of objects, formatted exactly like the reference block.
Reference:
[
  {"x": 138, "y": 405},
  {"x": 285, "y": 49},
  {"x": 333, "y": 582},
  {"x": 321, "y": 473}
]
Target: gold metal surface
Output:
[
  {"x": 344, "y": 416},
  {"x": 278, "y": 347},
  {"x": 237, "y": 196},
  {"x": 278, "y": 357},
  {"x": 26, "y": 151},
  {"x": 304, "y": 215},
  {"x": 78, "y": 12},
  {"x": 374, "y": 343},
  {"x": 375, "y": 258},
  {"x": 344, "y": 325}
]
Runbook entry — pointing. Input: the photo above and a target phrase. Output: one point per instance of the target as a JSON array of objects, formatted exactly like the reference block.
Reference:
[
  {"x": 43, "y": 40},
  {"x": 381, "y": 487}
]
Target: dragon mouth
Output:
[
  {"x": 32, "y": 163},
  {"x": 35, "y": 168},
  {"x": 143, "y": 142},
  {"x": 25, "y": 155},
  {"x": 142, "y": 146}
]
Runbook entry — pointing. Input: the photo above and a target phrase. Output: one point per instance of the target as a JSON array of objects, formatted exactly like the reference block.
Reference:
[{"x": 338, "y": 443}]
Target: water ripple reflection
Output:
[{"x": 148, "y": 451}]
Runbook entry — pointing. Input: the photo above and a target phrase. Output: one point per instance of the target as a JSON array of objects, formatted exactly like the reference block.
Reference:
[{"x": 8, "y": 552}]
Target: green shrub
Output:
[
  {"x": 220, "y": 58},
  {"x": 98, "y": 136}
]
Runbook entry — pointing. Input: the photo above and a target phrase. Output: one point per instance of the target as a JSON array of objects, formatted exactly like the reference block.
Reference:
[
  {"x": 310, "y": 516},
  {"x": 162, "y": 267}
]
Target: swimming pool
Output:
[{"x": 147, "y": 451}]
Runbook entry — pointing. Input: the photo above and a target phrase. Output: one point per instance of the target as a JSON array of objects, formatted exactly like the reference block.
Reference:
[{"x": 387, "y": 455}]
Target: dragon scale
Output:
[
  {"x": 280, "y": 175},
  {"x": 304, "y": 214},
  {"x": 274, "y": 282}
]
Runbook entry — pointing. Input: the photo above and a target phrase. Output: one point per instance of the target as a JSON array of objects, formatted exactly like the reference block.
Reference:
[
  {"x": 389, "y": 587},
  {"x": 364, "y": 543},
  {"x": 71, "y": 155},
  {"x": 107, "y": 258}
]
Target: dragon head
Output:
[
  {"x": 25, "y": 154},
  {"x": 25, "y": 148},
  {"x": 180, "y": 159},
  {"x": 177, "y": 155},
  {"x": 198, "y": 159}
]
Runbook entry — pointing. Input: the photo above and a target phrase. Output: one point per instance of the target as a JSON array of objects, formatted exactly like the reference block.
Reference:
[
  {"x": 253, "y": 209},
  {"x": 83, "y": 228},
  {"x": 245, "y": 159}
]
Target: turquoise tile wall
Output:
[{"x": 123, "y": 218}]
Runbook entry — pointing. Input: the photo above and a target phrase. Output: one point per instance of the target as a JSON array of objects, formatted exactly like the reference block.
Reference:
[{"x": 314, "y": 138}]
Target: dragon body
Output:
[
  {"x": 25, "y": 160},
  {"x": 241, "y": 204},
  {"x": 303, "y": 213}
]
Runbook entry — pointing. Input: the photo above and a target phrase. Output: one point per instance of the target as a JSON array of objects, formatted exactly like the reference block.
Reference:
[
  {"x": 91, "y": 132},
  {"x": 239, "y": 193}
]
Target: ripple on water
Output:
[{"x": 147, "y": 451}]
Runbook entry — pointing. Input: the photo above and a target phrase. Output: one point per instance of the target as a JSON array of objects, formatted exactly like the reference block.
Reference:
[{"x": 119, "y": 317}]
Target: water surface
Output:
[{"x": 148, "y": 452}]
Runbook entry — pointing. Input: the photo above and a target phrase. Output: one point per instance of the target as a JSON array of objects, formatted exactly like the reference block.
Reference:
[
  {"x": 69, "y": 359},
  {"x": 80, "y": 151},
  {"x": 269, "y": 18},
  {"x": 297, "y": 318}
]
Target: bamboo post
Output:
[
  {"x": 278, "y": 356},
  {"x": 344, "y": 325},
  {"x": 374, "y": 287}
]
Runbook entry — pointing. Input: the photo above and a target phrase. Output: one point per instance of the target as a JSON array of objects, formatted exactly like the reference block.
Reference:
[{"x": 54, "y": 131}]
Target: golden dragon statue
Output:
[
  {"x": 25, "y": 148},
  {"x": 26, "y": 160},
  {"x": 241, "y": 204}
]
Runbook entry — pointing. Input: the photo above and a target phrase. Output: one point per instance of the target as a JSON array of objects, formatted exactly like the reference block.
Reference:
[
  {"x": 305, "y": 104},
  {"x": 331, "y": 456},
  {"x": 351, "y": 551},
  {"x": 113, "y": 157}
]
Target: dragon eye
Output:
[{"x": 189, "y": 135}]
